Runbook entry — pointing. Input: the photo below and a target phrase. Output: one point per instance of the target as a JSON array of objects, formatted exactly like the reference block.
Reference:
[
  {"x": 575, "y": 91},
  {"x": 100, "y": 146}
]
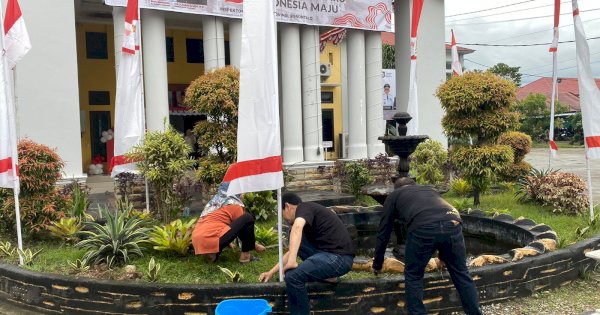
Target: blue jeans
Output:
[
  {"x": 448, "y": 239},
  {"x": 315, "y": 266}
]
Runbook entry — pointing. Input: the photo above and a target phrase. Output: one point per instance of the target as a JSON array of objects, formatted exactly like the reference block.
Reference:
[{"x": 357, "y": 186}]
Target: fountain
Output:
[{"x": 403, "y": 146}]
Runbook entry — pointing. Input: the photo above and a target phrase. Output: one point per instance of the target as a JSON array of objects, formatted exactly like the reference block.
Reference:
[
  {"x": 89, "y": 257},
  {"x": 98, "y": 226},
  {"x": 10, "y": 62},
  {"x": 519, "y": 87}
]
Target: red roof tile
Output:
[{"x": 568, "y": 91}]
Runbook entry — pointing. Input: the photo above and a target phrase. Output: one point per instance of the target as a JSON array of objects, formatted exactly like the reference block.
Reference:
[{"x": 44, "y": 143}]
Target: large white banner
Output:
[{"x": 362, "y": 14}]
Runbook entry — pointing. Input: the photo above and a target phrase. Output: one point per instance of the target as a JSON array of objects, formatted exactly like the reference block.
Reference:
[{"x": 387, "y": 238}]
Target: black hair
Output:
[
  {"x": 290, "y": 198},
  {"x": 403, "y": 181}
]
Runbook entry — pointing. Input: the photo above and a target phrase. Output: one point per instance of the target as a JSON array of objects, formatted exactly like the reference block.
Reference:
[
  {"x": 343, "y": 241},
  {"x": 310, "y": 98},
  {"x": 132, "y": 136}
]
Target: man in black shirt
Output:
[
  {"x": 323, "y": 243},
  {"x": 432, "y": 224}
]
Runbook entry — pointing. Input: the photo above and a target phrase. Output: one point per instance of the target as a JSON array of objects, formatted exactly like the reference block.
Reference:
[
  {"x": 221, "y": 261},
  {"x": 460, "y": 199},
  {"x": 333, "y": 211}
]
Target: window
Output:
[
  {"x": 327, "y": 97},
  {"x": 170, "y": 50},
  {"x": 328, "y": 128},
  {"x": 227, "y": 57},
  {"x": 99, "y": 97},
  {"x": 195, "y": 50},
  {"x": 96, "y": 45}
]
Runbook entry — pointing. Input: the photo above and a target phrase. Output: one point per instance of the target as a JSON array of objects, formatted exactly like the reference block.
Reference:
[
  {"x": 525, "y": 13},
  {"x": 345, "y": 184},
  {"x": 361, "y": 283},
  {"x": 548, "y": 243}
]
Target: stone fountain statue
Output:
[{"x": 403, "y": 146}]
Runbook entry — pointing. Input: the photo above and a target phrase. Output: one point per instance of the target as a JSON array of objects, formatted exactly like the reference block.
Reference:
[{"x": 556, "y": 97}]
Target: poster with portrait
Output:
[{"x": 389, "y": 93}]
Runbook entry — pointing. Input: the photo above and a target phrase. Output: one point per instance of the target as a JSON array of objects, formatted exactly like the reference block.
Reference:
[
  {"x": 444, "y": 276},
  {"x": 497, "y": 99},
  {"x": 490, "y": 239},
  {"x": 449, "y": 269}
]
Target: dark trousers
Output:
[
  {"x": 448, "y": 239},
  {"x": 242, "y": 228},
  {"x": 316, "y": 266}
]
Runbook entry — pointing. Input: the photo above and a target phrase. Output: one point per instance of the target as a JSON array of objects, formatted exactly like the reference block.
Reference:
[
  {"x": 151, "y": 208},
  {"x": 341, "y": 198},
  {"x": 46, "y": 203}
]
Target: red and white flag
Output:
[
  {"x": 456, "y": 66},
  {"x": 16, "y": 38},
  {"x": 259, "y": 164},
  {"x": 589, "y": 94},
  {"x": 129, "y": 105},
  {"x": 554, "y": 50},
  {"x": 413, "y": 104}
]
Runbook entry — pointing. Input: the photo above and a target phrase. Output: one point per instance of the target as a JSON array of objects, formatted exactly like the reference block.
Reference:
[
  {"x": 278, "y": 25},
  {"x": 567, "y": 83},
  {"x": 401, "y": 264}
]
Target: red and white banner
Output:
[
  {"x": 259, "y": 163},
  {"x": 129, "y": 104},
  {"x": 335, "y": 36},
  {"x": 16, "y": 38},
  {"x": 362, "y": 14},
  {"x": 589, "y": 94},
  {"x": 554, "y": 50},
  {"x": 456, "y": 66},
  {"x": 413, "y": 104}
]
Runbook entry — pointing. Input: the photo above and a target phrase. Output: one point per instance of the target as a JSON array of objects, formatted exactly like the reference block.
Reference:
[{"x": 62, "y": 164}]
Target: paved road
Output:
[{"x": 569, "y": 160}]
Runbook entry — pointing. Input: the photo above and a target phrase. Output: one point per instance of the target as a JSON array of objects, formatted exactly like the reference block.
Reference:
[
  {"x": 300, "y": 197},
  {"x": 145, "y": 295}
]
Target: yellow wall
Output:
[{"x": 332, "y": 54}]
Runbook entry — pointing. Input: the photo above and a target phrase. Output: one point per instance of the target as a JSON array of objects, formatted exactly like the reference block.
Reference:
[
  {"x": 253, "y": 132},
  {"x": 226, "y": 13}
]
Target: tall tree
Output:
[{"x": 507, "y": 72}]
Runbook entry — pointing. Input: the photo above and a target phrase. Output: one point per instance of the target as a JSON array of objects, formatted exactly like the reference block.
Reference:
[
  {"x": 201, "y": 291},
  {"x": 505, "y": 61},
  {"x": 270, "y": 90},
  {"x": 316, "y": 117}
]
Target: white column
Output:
[
  {"x": 345, "y": 107},
  {"x": 214, "y": 42},
  {"x": 431, "y": 69},
  {"x": 235, "y": 42},
  {"x": 402, "y": 13},
  {"x": 118, "y": 25},
  {"x": 311, "y": 94},
  {"x": 291, "y": 95},
  {"x": 375, "y": 122},
  {"x": 156, "y": 84},
  {"x": 357, "y": 116}
]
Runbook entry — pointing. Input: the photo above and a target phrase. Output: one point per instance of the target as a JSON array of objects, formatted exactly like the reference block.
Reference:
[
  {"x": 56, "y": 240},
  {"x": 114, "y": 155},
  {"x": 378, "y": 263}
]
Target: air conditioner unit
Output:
[{"x": 325, "y": 69}]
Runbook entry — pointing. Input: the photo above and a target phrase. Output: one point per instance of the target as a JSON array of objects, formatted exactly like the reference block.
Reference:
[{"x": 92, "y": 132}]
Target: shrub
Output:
[
  {"x": 262, "y": 205},
  {"x": 66, "y": 229},
  {"x": 515, "y": 171},
  {"x": 116, "y": 242},
  {"x": 461, "y": 187},
  {"x": 382, "y": 168},
  {"x": 479, "y": 165},
  {"x": 175, "y": 237},
  {"x": 40, "y": 200},
  {"x": 265, "y": 236},
  {"x": 518, "y": 141},
  {"x": 564, "y": 192},
  {"x": 427, "y": 162},
  {"x": 357, "y": 176},
  {"x": 216, "y": 94},
  {"x": 163, "y": 158},
  {"x": 78, "y": 200}
]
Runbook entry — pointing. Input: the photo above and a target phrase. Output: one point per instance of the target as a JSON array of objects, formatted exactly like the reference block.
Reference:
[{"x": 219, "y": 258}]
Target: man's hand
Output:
[
  {"x": 265, "y": 276},
  {"x": 290, "y": 265}
]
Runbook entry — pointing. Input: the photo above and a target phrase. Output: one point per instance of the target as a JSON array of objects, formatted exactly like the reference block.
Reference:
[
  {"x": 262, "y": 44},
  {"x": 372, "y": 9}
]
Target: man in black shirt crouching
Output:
[
  {"x": 432, "y": 224},
  {"x": 323, "y": 243}
]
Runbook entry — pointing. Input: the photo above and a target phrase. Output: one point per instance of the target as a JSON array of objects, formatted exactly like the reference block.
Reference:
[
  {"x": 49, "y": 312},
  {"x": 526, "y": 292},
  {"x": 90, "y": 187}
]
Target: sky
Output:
[{"x": 534, "y": 61}]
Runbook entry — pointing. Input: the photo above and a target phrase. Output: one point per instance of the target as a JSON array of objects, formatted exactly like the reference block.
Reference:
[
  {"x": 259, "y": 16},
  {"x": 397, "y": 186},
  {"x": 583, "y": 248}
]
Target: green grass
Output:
[{"x": 560, "y": 144}]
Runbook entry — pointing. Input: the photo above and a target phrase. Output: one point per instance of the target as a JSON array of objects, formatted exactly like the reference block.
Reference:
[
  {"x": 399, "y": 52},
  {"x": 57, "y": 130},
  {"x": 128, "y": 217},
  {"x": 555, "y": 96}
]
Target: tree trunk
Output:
[{"x": 476, "y": 197}]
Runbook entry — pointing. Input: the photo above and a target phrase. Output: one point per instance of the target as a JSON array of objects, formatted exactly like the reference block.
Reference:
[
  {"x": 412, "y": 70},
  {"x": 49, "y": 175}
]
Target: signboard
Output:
[
  {"x": 362, "y": 14},
  {"x": 389, "y": 93},
  {"x": 328, "y": 144}
]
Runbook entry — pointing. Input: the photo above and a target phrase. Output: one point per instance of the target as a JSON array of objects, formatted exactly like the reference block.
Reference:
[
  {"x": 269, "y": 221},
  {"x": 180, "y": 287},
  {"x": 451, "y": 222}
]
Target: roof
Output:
[
  {"x": 390, "y": 39},
  {"x": 568, "y": 91}
]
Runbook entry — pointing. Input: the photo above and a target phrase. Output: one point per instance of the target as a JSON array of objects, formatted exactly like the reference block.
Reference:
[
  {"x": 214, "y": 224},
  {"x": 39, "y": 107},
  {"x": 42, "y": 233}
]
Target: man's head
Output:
[
  {"x": 386, "y": 88},
  {"x": 289, "y": 202},
  {"x": 403, "y": 181}
]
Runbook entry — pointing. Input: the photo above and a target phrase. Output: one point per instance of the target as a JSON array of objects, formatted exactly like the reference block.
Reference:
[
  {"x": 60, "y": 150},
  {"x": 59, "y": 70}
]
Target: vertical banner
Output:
[
  {"x": 389, "y": 93},
  {"x": 129, "y": 104},
  {"x": 413, "y": 104},
  {"x": 456, "y": 66},
  {"x": 554, "y": 50}
]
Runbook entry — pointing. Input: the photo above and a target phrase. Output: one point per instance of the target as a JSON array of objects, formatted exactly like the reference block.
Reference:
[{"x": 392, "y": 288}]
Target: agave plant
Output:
[
  {"x": 115, "y": 242},
  {"x": 233, "y": 276},
  {"x": 79, "y": 265},
  {"x": 7, "y": 249},
  {"x": 173, "y": 237},
  {"x": 28, "y": 255},
  {"x": 66, "y": 229},
  {"x": 153, "y": 270}
]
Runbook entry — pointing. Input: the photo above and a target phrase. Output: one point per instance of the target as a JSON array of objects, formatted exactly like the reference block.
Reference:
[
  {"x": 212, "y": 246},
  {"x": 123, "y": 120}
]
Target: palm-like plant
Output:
[
  {"x": 173, "y": 237},
  {"x": 115, "y": 242},
  {"x": 66, "y": 229}
]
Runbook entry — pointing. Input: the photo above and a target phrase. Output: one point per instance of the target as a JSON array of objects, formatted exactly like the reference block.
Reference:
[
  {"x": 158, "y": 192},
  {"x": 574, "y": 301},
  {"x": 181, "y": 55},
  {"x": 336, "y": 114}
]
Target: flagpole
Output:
[
  {"x": 552, "y": 101},
  {"x": 141, "y": 62},
  {"x": 590, "y": 189},
  {"x": 279, "y": 222},
  {"x": 13, "y": 138}
]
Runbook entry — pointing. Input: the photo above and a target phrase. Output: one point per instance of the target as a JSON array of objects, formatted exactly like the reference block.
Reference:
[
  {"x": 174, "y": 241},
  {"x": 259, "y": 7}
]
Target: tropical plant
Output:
[
  {"x": 153, "y": 270},
  {"x": 27, "y": 255},
  {"x": 80, "y": 265},
  {"x": 7, "y": 249},
  {"x": 175, "y": 237},
  {"x": 535, "y": 116},
  {"x": 163, "y": 158},
  {"x": 382, "y": 168},
  {"x": 78, "y": 202},
  {"x": 427, "y": 162},
  {"x": 478, "y": 107},
  {"x": 265, "y": 236},
  {"x": 66, "y": 229},
  {"x": 115, "y": 242},
  {"x": 124, "y": 183},
  {"x": 519, "y": 142},
  {"x": 215, "y": 94},
  {"x": 233, "y": 276},
  {"x": 358, "y": 176},
  {"x": 462, "y": 204},
  {"x": 261, "y": 204},
  {"x": 461, "y": 187},
  {"x": 40, "y": 200}
]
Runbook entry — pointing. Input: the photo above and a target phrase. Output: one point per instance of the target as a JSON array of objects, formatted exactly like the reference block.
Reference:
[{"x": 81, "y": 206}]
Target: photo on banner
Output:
[{"x": 389, "y": 93}]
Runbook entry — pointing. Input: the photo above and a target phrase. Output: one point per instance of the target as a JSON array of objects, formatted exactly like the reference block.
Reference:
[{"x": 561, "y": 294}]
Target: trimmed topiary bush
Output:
[
  {"x": 427, "y": 162},
  {"x": 518, "y": 141}
]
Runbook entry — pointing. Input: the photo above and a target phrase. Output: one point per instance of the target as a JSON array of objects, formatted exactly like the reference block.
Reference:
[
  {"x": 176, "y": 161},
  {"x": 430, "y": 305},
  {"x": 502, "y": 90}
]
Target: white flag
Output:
[
  {"x": 129, "y": 105},
  {"x": 589, "y": 94},
  {"x": 16, "y": 38},
  {"x": 456, "y": 66},
  {"x": 259, "y": 164}
]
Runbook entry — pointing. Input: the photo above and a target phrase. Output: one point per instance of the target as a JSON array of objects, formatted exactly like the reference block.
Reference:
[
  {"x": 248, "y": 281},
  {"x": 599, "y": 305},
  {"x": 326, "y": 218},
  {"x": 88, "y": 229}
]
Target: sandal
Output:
[{"x": 251, "y": 259}]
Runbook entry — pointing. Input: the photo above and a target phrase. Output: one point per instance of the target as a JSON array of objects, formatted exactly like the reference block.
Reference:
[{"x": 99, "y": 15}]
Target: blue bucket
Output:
[{"x": 243, "y": 307}]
